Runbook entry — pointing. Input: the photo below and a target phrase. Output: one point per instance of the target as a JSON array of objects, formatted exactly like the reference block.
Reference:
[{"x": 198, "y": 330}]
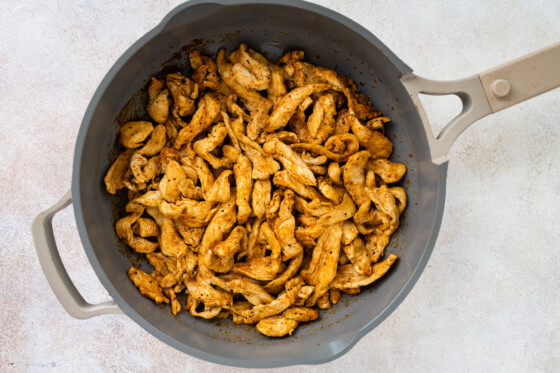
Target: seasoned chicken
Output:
[
  {"x": 132, "y": 134},
  {"x": 348, "y": 278},
  {"x": 208, "y": 110},
  {"x": 204, "y": 147},
  {"x": 242, "y": 170},
  {"x": 389, "y": 172},
  {"x": 375, "y": 142},
  {"x": 277, "y": 326},
  {"x": 184, "y": 92},
  {"x": 354, "y": 176},
  {"x": 257, "y": 190},
  {"x": 158, "y": 107},
  {"x": 124, "y": 231},
  {"x": 147, "y": 285},
  {"x": 291, "y": 161},
  {"x": 322, "y": 269},
  {"x": 261, "y": 196},
  {"x": 288, "y": 104},
  {"x": 118, "y": 173},
  {"x": 218, "y": 190}
]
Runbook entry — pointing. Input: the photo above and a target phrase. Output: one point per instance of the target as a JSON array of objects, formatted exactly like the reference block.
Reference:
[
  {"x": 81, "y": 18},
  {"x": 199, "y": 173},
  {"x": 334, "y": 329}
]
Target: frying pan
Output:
[{"x": 331, "y": 40}]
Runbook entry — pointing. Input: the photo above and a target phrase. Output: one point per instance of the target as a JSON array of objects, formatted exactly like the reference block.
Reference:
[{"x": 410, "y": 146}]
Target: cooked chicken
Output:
[
  {"x": 288, "y": 104},
  {"x": 291, "y": 161},
  {"x": 147, "y": 285},
  {"x": 277, "y": 326},
  {"x": 258, "y": 190}
]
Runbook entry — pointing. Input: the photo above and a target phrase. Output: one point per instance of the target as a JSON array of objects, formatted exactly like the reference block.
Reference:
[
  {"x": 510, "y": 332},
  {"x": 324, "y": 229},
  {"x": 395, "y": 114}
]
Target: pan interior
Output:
[{"x": 271, "y": 29}]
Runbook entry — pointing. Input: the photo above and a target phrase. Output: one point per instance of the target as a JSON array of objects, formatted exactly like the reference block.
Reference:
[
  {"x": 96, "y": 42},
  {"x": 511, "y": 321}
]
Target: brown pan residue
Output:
[{"x": 260, "y": 190}]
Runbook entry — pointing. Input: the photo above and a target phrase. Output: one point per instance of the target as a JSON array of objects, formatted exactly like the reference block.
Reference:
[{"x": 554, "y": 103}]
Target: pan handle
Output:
[
  {"x": 486, "y": 93},
  {"x": 54, "y": 270}
]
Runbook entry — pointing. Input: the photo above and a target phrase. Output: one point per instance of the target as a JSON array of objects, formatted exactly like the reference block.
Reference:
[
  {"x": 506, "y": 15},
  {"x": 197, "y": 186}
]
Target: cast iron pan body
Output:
[{"x": 329, "y": 40}]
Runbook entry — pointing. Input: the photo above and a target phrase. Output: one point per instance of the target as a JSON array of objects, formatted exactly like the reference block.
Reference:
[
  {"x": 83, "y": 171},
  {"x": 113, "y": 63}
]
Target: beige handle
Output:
[
  {"x": 486, "y": 93},
  {"x": 523, "y": 78}
]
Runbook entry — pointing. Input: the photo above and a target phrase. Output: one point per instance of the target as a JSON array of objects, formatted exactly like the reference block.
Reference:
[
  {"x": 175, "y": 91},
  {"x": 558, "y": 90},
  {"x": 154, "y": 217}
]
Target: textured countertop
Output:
[{"x": 489, "y": 299}]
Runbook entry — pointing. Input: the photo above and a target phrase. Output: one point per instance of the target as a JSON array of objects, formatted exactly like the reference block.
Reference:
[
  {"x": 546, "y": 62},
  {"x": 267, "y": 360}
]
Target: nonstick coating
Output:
[{"x": 329, "y": 40}]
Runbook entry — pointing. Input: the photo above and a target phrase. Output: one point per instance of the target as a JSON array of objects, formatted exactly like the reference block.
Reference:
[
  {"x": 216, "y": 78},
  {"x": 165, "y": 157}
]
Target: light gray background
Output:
[{"x": 489, "y": 298}]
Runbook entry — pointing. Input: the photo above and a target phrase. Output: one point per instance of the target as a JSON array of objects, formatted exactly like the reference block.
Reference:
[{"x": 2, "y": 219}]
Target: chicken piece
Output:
[
  {"x": 205, "y": 70},
  {"x": 172, "y": 245},
  {"x": 189, "y": 190},
  {"x": 205, "y": 146},
  {"x": 334, "y": 214},
  {"x": 277, "y": 326},
  {"x": 389, "y": 172},
  {"x": 327, "y": 189},
  {"x": 254, "y": 248},
  {"x": 263, "y": 268},
  {"x": 302, "y": 314},
  {"x": 290, "y": 56},
  {"x": 220, "y": 257},
  {"x": 376, "y": 244},
  {"x": 249, "y": 72},
  {"x": 132, "y": 134},
  {"x": 169, "y": 184},
  {"x": 309, "y": 160},
  {"x": 334, "y": 296},
  {"x": 117, "y": 174},
  {"x": 288, "y": 104},
  {"x": 321, "y": 122},
  {"x": 354, "y": 177},
  {"x": 347, "y": 277},
  {"x": 155, "y": 214},
  {"x": 147, "y": 285},
  {"x": 263, "y": 166},
  {"x": 275, "y": 286},
  {"x": 158, "y": 106},
  {"x": 191, "y": 236},
  {"x": 335, "y": 172},
  {"x": 201, "y": 290},
  {"x": 273, "y": 206},
  {"x": 385, "y": 202},
  {"x": 145, "y": 228},
  {"x": 242, "y": 172},
  {"x": 250, "y": 97},
  {"x": 359, "y": 256},
  {"x": 155, "y": 143},
  {"x": 304, "y": 293},
  {"x": 278, "y": 305},
  {"x": 324, "y": 302},
  {"x": 324, "y": 261},
  {"x": 284, "y": 179},
  {"x": 254, "y": 293},
  {"x": 349, "y": 232},
  {"x": 375, "y": 142},
  {"x": 124, "y": 231},
  {"x": 277, "y": 88},
  {"x": 184, "y": 92},
  {"x": 285, "y": 226},
  {"x": 193, "y": 214},
  {"x": 221, "y": 223},
  {"x": 343, "y": 122},
  {"x": 400, "y": 198},
  {"x": 298, "y": 125},
  {"x": 261, "y": 196},
  {"x": 207, "y": 112},
  {"x": 157, "y": 260},
  {"x": 218, "y": 190},
  {"x": 308, "y": 235},
  {"x": 209, "y": 312},
  {"x": 291, "y": 161},
  {"x": 306, "y": 73},
  {"x": 175, "y": 305},
  {"x": 337, "y": 148},
  {"x": 144, "y": 170}
]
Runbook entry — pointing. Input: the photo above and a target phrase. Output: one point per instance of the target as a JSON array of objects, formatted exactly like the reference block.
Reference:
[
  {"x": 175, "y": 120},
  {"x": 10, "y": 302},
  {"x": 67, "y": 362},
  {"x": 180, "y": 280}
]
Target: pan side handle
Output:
[
  {"x": 475, "y": 106},
  {"x": 51, "y": 263},
  {"x": 486, "y": 93}
]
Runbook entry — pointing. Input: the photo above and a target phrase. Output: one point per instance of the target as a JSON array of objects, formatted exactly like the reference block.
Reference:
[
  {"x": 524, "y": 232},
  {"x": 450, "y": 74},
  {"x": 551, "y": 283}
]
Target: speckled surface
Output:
[{"x": 489, "y": 299}]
